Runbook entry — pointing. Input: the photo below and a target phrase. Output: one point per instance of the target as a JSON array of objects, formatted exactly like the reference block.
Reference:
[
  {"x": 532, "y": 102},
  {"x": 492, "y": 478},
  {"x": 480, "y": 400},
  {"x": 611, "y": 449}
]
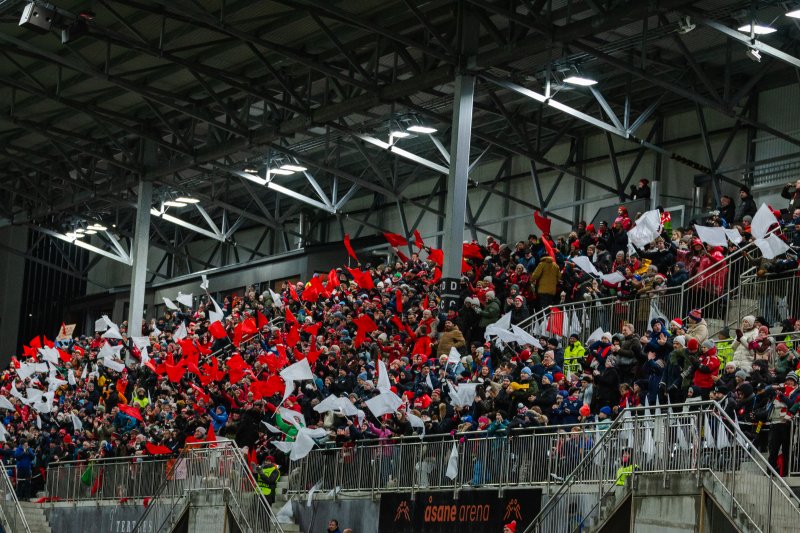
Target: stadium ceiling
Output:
[{"x": 202, "y": 97}]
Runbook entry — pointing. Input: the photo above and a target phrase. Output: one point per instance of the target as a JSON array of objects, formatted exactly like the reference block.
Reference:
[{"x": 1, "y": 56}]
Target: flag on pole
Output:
[
  {"x": 349, "y": 247},
  {"x": 452, "y": 463}
]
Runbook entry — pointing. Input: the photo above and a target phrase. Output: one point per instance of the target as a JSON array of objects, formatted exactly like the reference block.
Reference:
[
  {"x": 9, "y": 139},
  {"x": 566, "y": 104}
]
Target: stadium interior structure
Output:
[{"x": 149, "y": 145}]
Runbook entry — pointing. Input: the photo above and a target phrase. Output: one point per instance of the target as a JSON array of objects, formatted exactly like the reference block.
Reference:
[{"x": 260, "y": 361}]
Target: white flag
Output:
[
  {"x": 453, "y": 357},
  {"x": 6, "y": 404},
  {"x": 733, "y": 235},
  {"x": 452, "y": 463},
  {"x": 292, "y": 416},
  {"x": 385, "y": 403},
  {"x": 277, "y": 301},
  {"x": 71, "y": 377},
  {"x": 314, "y": 489},
  {"x": 100, "y": 325},
  {"x": 585, "y": 264},
  {"x": 272, "y": 428},
  {"x": 49, "y": 354},
  {"x": 384, "y": 385},
  {"x": 299, "y": 371},
  {"x": 722, "y": 436},
  {"x": 76, "y": 423},
  {"x": 3, "y": 433},
  {"x": 170, "y": 304},
  {"x": 416, "y": 422},
  {"x": 38, "y": 422},
  {"x": 523, "y": 337},
  {"x": 708, "y": 440},
  {"x": 613, "y": 278},
  {"x": 185, "y": 299},
  {"x": 85, "y": 372},
  {"x": 772, "y": 246},
  {"x": 204, "y": 282},
  {"x": 575, "y": 324},
  {"x": 216, "y": 315},
  {"x": 501, "y": 325},
  {"x": 595, "y": 336},
  {"x": 112, "y": 333},
  {"x": 26, "y": 370},
  {"x": 304, "y": 442},
  {"x": 113, "y": 364},
  {"x": 464, "y": 395},
  {"x": 180, "y": 332},
  {"x": 762, "y": 221},
  {"x": 711, "y": 235}
]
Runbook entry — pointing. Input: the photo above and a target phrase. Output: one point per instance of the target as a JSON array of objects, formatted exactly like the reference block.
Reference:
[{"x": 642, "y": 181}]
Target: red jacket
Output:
[{"x": 709, "y": 367}]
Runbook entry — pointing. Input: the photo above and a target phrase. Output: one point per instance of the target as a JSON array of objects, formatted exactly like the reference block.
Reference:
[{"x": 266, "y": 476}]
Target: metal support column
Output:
[
  {"x": 458, "y": 175},
  {"x": 655, "y": 186},
  {"x": 139, "y": 249},
  {"x": 457, "y": 182}
]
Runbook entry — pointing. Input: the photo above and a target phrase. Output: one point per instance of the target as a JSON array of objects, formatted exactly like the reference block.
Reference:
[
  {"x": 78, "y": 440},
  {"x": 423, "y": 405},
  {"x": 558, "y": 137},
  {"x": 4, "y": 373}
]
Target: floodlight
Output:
[
  {"x": 171, "y": 203},
  {"x": 757, "y": 29},
  {"x": 422, "y": 129}
]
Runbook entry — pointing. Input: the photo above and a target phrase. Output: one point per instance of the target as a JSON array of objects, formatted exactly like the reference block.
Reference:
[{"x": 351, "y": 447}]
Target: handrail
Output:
[
  {"x": 705, "y": 453},
  {"x": 11, "y": 515},
  {"x": 207, "y": 467}
]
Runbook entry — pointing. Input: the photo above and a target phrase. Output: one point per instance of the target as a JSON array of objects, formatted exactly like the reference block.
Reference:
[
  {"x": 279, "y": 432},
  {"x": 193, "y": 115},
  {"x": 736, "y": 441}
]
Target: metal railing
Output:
[
  {"x": 12, "y": 518},
  {"x": 538, "y": 456},
  {"x": 774, "y": 296},
  {"x": 104, "y": 479},
  {"x": 206, "y": 469},
  {"x": 698, "y": 439}
]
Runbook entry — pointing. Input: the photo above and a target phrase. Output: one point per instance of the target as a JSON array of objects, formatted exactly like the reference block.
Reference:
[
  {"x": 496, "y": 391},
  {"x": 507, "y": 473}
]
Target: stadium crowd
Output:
[{"x": 108, "y": 394}]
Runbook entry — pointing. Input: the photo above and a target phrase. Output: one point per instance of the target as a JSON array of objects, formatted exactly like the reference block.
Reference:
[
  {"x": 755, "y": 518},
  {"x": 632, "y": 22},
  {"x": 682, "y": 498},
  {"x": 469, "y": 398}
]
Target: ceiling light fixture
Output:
[
  {"x": 754, "y": 55},
  {"x": 90, "y": 232},
  {"x": 399, "y": 134},
  {"x": 280, "y": 171},
  {"x": 757, "y": 29},
  {"x": 795, "y": 13},
  {"x": 98, "y": 227},
  {"x": 171, "y": 203},
  {"x": 422, "y": 129},
  {"x": 294, "y": 168},
  {"x": 187, "y": 200},
  {"x": 580, "y": 80},
  {"x": 79, "y": 230}
]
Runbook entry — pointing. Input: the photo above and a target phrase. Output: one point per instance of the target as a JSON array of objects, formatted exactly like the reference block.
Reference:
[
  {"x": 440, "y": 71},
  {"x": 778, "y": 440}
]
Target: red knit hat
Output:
[
  {"x": 692, "y": 345},
  {"x": 512, "y": 526},
  {"x": 677, "y": 322}
]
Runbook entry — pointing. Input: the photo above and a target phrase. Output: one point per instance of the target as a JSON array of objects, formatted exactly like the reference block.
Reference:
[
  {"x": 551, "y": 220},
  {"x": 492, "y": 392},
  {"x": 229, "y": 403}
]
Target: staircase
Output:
[
  {"x": 12, "y": 517},
  {"x": 703, "y": 449},
  {"x": 36, "y": 517},
  {"x": 205, "y": 470},
  {"x": 281, "y": 499}
]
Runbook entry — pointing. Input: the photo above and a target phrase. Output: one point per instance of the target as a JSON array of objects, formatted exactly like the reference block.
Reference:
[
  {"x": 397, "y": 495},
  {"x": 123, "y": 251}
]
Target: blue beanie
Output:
[
  {"x": 606, "y": 410},
  {"x": 549, "y": 377}
]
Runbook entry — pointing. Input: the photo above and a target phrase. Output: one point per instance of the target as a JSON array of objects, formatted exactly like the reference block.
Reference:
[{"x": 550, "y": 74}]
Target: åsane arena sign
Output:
[{"x": 476, "y": 510}]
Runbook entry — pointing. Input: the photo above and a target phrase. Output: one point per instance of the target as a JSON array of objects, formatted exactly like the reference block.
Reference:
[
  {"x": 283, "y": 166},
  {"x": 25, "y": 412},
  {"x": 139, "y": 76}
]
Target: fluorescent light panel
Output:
[
  {"x": 399, "y": 134},
  {"x": 171, "y": 203},
  {"x": 187, "y": 200},
  {"x": 580, "y": 80},
  {"x": 294, "y": 168},
  {"x": 795, "y": 14},
  {"x": 90, "y": 232},
  {"x": 758, "y": 29},
  {"x": 422, "y": 129},
  {"x": 281, "y": 171}
]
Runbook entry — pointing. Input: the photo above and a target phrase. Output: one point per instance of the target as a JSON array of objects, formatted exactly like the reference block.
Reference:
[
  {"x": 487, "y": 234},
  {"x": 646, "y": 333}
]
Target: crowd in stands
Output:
[{"x": 194, "y": 376}]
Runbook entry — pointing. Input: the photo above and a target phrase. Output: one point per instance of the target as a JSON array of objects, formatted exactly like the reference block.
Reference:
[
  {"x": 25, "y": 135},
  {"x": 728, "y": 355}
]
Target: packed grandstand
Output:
[{"x": 366, "y": 352}]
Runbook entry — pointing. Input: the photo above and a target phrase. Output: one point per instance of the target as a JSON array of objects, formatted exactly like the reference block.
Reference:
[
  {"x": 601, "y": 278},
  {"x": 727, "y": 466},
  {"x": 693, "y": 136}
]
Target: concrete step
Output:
[{"x": 36, "y": 517}]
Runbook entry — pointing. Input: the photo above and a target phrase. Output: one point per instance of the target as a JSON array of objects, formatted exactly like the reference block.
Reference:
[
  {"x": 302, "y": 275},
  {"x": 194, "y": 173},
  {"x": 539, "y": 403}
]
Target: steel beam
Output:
[{"x": 139, "y": 253}]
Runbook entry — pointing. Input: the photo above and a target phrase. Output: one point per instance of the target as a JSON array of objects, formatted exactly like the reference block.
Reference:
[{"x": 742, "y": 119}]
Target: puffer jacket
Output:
[
  {"x": 698, "y": 331},
  {"x": 741, "y": 352},
  {"x": 546, "y": 276}
]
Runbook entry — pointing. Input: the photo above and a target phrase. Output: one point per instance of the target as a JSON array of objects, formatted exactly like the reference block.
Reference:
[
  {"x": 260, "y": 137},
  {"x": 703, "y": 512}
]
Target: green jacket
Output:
[
  {"x": 289, "y": 429},
  {"x": 490, "y": 313}
]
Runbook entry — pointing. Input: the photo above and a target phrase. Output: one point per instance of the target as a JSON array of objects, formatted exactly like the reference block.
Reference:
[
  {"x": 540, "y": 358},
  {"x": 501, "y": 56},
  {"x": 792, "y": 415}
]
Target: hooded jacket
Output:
[{"x": 546, "y": 276}]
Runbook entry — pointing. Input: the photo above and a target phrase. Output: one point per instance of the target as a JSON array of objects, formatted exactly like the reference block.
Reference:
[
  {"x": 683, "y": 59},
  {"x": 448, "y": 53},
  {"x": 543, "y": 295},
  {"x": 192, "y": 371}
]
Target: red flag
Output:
[
  {"x": 236, "y": 368},
  {"x": 398, "y": 300},
  {"x": 364, "y": 325},
  {"x": 218, "y": 330},
  {"x": 237, "y": 334},
  {"x": 403, "y": 257},
  {"x": 131, "y": 411},
  {"x": 35, "y": 342},
  {"x": 48, "y": 342},
  {"x": 319, "y": 288},
  {"x": 437, "y": 275},
  {"x": 418, "y": 240},
  {"x": 175, "y": 372},
  {"x": 472, "y": 251},
  {"x": 349, "y": 247},
  {"x": 293, "y": 338},
  {"x": 157, "y": 449},
  {"x": 556, "y": 323},
  {"x": 422, "y": 346},
  {"x": 362, "y": 279},
  {"x": 64, "y": 356},
  {"x": 290, "y": 319},
  {"x": 542, "y": 222},
  {"x": 98, "y": 482},
  {"x": 252, "y": 458},
  {"x": 333, "y": 279},
  {"x": 293, "y": 292},
  {"x": 261, "y": 320},
  {"x": 549, "y": 247},
  {"x": 211, "y": 436},
  {"x": 311, "y": 294},
  {"x": 146, "y": 502},
  {"x": 437, "y": 256},
  {"x": 395, "y": 240},
  {"x": 249, "y": 327}
]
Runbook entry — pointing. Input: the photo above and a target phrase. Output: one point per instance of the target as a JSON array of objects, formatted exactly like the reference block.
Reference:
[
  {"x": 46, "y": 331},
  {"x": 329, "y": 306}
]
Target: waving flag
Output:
[
  {"x": 349, "y": 247},
  {"x": 418, "y": 240},
  {"x": 395, "y": 240},
  {"x": 542, "y": 222}
]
